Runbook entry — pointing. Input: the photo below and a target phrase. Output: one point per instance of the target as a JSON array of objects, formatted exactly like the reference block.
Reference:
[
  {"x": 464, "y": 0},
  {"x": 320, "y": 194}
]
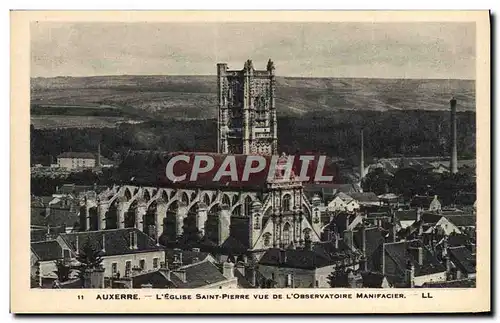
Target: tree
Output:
[
  {"x": 338, "y": 278},
  {"x": 89, "y": 258},
  {"x": 377, "y": 181},
  {"x": 62, "y": 271}
]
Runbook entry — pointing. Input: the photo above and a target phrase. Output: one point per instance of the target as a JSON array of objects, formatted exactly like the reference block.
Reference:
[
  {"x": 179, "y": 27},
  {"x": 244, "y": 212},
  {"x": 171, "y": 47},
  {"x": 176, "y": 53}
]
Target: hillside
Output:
[{"x": 194, "y": 97}]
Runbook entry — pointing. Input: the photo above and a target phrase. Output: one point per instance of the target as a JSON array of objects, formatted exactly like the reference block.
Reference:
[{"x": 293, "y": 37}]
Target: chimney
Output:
[
  {"x": 133, "y": 240},
  {"x": 348, "y": 238},
  {"x": 282, "y": 255},
  {"x": 103, "y": 242},
  {"x": 77, "y": 245},
  {"x": 93, "y": 278},
  {"x": 453, "y": 148},
  {"x": 98, "y": 160},
  {"x": 410, "y": 275},
  {"x": 181, "y": 273},
  {"x": 241, "y": 268},
  {"x": 420, "y": 251},
  {"x": 165, "y": 270},
  {"x": 362, "y": 162},
  {"x": 228, "y": 270}
]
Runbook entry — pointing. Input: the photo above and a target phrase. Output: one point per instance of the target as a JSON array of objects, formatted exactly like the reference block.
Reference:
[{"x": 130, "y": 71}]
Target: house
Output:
[
  {"x": 375, "y": 280},
  {"x": 436, "y": 223},
  {"x": 406, "y": 217},
  {"x": 44, "y": 255},
  {"x": 307, "y": 267},
  {"x": 462, "y": 283},
  {"x": 56, "y": 214},
  {"x": 462, "y": 261},
  {"x": 342, "y": 202},
  {"x": 202, "y": 274},
  {"x": 426, "y": 203},
  {"x": 463, "y": 222},
  {"x": 82, "y": 160},
  {"x": 122, "y": 250},
  {"x": 366, "y": 199},
  {"x": 411, "y": 263}
]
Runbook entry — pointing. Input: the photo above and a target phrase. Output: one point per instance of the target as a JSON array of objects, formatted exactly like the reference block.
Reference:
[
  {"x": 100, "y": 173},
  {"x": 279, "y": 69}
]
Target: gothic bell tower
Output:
[{"x": 246, "y": 121}]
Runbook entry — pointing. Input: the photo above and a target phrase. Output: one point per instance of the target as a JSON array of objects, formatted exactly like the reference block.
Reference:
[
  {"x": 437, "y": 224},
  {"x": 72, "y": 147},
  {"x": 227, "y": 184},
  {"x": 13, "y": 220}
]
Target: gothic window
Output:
[
  {"x": 286, "y": 202},
  {"x": 256, "y": 220},
  {"x": 185, "y": 198},
  {"x": 267, "y": 239},
  {"x": 226, "y": 200},
  {"x": 307, "y": 234},
  {"x": 247, "y": 206},
  {"x": 206, "y": 199},
  {"x": 286, "y": 234}
]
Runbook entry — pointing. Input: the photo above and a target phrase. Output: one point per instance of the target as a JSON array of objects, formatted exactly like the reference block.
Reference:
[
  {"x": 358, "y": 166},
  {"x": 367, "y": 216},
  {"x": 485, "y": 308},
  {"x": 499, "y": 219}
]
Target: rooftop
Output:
[
  {"x": 117, "y": 241},
  {"x": 80, "y": 155},
  {"x": 47, "y": 250},
  {"x": 320, "y": 255}
]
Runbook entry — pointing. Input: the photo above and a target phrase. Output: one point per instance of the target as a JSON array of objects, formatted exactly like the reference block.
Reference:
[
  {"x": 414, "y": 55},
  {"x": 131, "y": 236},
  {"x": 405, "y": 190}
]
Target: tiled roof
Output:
[
  {"x": 71, "y": 154},
  {"x": 365, "y": 197},
  {"x": 458, "y": 240},
  {"x": 374, "y": 241},
  {"x": 188, "y": 256},
  {"x": 399, "y": 252},
  {"x": 157, "y": 279},
  {"x": 198, "y": 275},
  {"x": 372, "y": 279},
  {"x": 463, "y": 258},
  {"x": 406, "y": 215},
  {"x": 343, "y": 196},
  {"x": 431, "y": 218},
  {"x": 117, "y": 241},
  {"x": 421, "y": 201},
  {"x": 242, "y": 281},
  {"x": 464, "y": 283},
  {"x": 321, "y": 255},
  {"x": 47, "y": 250},
  {"x": 463, "y": 221}
]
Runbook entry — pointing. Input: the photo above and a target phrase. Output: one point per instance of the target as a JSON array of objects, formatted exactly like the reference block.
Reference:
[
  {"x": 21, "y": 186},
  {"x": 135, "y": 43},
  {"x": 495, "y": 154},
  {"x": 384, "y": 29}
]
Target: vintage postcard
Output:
[{"x": 250, "y": 162}]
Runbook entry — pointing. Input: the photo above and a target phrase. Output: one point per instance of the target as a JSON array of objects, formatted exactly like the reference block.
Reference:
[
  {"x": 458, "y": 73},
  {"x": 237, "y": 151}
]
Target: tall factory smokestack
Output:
[
  {"x": 362, "y": 162},
  {"x": 453, "y": 148},
  {"x": 98, "y": 160}
]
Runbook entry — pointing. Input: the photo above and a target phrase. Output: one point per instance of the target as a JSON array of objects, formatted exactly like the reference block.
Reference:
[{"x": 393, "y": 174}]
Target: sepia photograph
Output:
[{"x": 318, "y": 159}]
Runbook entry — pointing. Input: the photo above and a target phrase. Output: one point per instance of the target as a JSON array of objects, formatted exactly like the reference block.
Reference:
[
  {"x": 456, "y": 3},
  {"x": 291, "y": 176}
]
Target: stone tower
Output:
[{"x": 246, "y": 121}]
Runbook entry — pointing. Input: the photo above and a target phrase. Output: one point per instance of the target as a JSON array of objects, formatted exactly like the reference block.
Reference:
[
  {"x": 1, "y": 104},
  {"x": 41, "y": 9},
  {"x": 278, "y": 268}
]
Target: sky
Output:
[{"x": 367, "y": 50}]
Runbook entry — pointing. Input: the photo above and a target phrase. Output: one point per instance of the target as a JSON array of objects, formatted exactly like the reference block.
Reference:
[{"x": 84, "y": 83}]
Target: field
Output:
[{"x": 194, "y": 97}]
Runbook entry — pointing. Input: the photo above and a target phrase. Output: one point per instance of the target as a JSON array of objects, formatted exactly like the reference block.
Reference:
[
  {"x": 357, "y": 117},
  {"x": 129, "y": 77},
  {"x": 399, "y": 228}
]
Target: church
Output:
[{"x": 225, "y": 218}]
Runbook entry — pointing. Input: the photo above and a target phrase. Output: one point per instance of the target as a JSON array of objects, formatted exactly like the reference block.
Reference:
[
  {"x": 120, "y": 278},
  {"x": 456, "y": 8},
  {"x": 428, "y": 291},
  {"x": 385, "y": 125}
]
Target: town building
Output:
[{"x": 247, "y": 122}]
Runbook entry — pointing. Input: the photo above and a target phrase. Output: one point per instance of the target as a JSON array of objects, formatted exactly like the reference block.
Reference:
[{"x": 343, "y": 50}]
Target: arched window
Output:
[
  {"x": 307, "y": 234},
  {"x": 248, "y": 206},
  {"x": 185, "y": 198},
  {"x": 256, "y": 222},
  {"x": 206, "y": 199},
  {"x": 267, "y": 239},
  {"x": 226, "y": 200},
  {"x": 286, "y": 202},
  {"x": 286, "y": 235}
]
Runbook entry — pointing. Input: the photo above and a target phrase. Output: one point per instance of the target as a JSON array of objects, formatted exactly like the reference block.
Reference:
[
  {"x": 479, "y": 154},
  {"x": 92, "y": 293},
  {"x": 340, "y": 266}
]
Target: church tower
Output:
[{"x": 246, "y": 120}]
